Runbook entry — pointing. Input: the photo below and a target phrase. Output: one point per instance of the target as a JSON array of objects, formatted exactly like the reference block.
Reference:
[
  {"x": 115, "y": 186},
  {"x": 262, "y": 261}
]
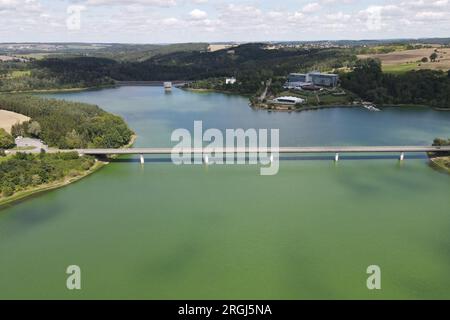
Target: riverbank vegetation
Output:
[
  {"x": 22, "y": 172},
  {"x": 441, "y": 160},
  {"x": 424, "y": 87},
  {"x": 67, "y": 125}
]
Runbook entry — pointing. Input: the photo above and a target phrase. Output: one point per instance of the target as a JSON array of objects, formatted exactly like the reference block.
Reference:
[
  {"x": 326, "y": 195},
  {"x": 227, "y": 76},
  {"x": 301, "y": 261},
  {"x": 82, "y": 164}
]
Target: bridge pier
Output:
[
  {"x": 336, "y": 157},
  {"x": 142, "y": 159},
  {"x": 402, "y": 156}
]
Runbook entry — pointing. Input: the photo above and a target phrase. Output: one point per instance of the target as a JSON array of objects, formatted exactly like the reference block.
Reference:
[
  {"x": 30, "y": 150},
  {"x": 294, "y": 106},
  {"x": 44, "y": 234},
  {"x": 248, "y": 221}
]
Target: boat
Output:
[
  {"x": 371, "y": 107},
  {"x": 168, "y": 86}
]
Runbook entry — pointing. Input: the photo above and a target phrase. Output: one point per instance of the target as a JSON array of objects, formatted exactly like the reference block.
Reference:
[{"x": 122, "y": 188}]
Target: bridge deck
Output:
[{"x": 284, "y": 150}]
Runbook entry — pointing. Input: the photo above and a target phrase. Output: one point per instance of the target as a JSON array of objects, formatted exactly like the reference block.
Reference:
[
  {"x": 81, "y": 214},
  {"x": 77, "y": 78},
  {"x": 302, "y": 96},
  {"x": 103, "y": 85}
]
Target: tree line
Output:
[
  {"x": 423, "y": 87},
  {"x": 67, "y": 125},
  {"x": 23, "y": 171}
]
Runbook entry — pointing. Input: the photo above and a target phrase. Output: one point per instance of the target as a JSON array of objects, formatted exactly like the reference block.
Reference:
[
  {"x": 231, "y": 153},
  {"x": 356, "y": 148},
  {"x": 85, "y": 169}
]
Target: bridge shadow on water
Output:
[{"x": 291, "y": 158}]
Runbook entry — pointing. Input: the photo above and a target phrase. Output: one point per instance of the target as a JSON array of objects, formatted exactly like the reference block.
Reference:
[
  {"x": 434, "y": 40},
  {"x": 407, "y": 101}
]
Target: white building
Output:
[
  {"x": 288, "y": 100},
  {"x": 230, "y": 80},
  {"x": 297, "y": 80},
  {"x": 30, "y": 143}
]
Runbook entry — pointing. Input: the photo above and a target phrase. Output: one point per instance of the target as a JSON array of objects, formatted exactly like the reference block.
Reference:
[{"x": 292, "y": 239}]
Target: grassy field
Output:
[
  {"x": 322, "y": 98},
  {"x": 407, "y": 60},
  {"x": 19, "y": 74},
  {"x": 37, "y": 56},
  {"x": 400, "y": 68}
]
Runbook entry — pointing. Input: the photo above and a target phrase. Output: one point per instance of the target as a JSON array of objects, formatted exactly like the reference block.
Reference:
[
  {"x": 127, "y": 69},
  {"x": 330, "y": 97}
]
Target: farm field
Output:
[
  {"x": 8, "y": 119},
  {"x": 408, "y": 60}
]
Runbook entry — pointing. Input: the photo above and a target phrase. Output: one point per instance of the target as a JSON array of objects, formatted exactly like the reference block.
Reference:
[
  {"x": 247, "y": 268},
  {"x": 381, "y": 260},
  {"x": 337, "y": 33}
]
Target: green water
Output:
[{"x": 176, "y": 232}]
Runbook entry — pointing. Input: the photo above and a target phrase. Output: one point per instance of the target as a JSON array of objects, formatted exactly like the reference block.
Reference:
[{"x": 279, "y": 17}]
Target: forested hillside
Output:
[
  {"x": 67, "y": 125},
  {"x": 424, "y": 87},
  {"x": 251, "y": 63}
]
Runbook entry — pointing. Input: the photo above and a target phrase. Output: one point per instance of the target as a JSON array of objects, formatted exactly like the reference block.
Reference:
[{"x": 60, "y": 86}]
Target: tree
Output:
[
  {"x": 438, "y": 142},
  {"x": 7, "y": 191},
  {"x": 6, "y": 140},
  {"x": 34, "y": 129},
  {"x": 424, "y": 59},
  {"x": 433, "y": 57}
]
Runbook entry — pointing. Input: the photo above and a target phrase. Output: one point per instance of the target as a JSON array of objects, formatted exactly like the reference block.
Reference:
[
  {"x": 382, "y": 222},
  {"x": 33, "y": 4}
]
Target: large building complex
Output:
[{"x": 298, "y": 80}]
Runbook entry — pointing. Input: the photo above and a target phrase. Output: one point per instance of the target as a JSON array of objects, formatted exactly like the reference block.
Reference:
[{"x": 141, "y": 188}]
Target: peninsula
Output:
[{"x": 60, "y": 125}]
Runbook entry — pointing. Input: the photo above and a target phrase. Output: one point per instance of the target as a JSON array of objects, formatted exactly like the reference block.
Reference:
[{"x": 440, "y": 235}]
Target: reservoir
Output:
[{"x": 161, "y": 231}]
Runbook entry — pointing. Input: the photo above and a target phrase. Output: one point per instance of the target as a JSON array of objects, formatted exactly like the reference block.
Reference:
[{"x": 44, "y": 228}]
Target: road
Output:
[{"x": 283, "y": 150}]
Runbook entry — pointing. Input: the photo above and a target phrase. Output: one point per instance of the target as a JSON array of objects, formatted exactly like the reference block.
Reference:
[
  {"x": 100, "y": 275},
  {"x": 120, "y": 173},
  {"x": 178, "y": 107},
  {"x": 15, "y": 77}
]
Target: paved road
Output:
[{"x": 284, "y": 150}]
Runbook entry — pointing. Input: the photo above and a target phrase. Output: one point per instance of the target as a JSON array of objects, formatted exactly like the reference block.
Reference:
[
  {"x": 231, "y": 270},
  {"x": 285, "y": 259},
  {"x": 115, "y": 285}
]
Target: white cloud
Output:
[
  {"x": 156, "y": 3},
  {"x": 197, "y": 14},
  {"x": 311, "y": 7},
  {"x": 170, "y": 21},
  {"x": 218, "y": 20}
]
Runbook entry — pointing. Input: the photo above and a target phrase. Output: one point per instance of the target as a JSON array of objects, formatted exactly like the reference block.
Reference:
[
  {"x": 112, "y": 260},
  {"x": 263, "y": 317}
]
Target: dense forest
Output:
[
  {"x": 23, "y": 171},
  {"x": 67, "y": 125},
  {"x": 424, "y": 87}
]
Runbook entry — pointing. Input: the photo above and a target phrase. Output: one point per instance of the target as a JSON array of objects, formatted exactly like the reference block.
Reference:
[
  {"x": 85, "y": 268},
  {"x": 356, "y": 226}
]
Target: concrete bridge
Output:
[{"x": 401, "y": 150}]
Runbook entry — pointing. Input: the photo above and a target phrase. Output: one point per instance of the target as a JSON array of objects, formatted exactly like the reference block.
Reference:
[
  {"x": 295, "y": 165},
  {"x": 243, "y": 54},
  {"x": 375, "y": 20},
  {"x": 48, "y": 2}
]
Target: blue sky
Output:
[{"x": 169, "y": 21}]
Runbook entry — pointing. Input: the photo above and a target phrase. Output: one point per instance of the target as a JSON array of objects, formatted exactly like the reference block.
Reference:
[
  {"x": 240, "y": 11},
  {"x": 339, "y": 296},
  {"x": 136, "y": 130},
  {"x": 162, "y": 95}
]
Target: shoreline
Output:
[
  {"x": 254, "y": 106},
  {"x": 25, "y": 194},
  {"x": 214, "y": 91},
  {"x": 282, "y": 108},
  {"x": 286, "y": 108},
  {"x": 440, "y": 163},
  {"x": 62, "y": 90}
]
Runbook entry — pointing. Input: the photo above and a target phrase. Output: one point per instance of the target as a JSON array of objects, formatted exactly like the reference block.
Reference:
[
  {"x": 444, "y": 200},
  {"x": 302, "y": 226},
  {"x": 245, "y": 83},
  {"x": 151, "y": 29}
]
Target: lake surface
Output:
[{"x": 161, "y": 231}]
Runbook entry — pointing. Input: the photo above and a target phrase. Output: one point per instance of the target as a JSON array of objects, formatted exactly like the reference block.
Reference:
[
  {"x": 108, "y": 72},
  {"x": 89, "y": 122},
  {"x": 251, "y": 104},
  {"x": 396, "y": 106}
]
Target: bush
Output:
[
  {"x": 441, "y": 142},
  {"x": 6, "y": 140},
  {"x": 68, "y": 155},
  {"x": 7, "y": 191},
  {"x": 86, "y": 165}
]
